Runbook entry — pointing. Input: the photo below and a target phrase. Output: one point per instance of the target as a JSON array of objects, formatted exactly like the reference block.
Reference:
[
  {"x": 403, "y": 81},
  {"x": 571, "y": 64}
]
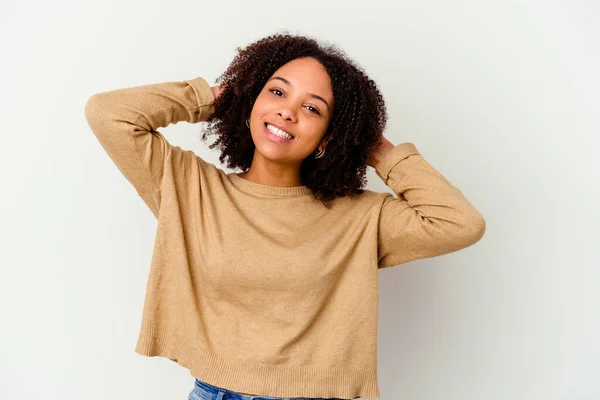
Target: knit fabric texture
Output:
[{"x": 261, "y": 289}]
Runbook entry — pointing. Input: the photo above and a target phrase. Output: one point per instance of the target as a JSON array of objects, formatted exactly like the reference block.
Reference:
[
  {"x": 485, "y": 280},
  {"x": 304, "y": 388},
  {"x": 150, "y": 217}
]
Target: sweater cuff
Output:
[
  {"x": 205, "y": 97},
  {"x": 393, "y": 157}
]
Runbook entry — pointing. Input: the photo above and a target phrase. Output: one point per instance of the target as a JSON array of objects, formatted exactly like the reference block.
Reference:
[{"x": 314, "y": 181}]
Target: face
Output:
[{"x": 291, "y": 114}]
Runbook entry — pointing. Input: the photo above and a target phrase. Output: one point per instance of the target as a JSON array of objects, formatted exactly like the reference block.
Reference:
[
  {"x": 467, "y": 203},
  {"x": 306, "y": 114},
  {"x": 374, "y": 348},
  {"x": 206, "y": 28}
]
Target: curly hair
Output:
[{"x": 354, "y": 131}]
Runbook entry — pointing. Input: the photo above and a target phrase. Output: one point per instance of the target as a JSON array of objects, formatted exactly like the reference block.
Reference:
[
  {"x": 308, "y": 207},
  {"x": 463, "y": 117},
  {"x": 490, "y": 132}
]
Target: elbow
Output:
[
  {"x": 475, "y": 229},
  {"x": 96, "y": 114},
  {"x": 469, "y": 233},
  {"x": 97, "y": 107},
  {"x": 91, "y": 106}
]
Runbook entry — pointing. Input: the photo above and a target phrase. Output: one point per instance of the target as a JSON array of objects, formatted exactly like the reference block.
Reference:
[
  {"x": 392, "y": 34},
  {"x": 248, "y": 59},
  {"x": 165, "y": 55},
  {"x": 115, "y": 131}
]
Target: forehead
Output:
[{"x": 307, "y": 74}]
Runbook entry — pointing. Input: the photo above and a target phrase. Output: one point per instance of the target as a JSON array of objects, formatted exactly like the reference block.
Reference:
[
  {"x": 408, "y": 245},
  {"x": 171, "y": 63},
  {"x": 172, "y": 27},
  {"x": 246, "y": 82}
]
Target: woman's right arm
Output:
[
  {"x": 217, "y": 90},
  {"x": 126, "y": 122}
]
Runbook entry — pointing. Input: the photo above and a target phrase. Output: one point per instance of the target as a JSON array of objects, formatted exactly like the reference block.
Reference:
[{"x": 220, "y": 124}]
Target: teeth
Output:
[{"x": 278, "y": 132}]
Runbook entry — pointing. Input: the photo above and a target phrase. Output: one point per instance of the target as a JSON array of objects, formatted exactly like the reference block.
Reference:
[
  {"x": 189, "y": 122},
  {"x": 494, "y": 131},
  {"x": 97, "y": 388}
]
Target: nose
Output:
[{"x": 287, "y": 113}]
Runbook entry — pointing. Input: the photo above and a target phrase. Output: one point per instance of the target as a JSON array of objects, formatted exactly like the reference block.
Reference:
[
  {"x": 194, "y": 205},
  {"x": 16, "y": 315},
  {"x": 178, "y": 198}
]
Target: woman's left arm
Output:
[{"x": 429, "y": 217}]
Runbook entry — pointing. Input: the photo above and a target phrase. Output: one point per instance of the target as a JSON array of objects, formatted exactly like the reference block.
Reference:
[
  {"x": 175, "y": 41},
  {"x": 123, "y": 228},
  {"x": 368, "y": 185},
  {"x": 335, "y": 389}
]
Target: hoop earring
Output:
[
  {"x": 247, "y": 124},
  {"x": 320, "y": 154}
]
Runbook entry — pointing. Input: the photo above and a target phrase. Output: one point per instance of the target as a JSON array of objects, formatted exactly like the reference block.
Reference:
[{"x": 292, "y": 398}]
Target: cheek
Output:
[
  {"x": 313, "y": 131},
  {"x": 262, "y": 101},
  {"x": 320, "y": 125},
  {"x": 256, "y": 107}
]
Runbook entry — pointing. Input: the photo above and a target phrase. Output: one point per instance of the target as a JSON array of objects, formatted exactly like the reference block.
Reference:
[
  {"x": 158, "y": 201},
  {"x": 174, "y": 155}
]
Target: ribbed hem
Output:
[{"x": 246, "y": 377}]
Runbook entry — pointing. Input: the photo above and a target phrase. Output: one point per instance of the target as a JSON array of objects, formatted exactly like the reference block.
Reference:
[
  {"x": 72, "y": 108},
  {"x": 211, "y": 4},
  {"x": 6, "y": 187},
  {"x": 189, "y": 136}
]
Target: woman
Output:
[{"x": 264, "y": 282}]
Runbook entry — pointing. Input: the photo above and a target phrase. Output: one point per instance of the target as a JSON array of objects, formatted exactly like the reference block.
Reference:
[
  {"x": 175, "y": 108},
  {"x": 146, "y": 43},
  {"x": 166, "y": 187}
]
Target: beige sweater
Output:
[{"x": 261, "y": 289}]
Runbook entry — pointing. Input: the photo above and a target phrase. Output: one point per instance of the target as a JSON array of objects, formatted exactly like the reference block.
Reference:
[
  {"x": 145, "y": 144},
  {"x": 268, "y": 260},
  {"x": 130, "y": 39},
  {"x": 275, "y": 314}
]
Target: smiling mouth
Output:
[{"x": 278, "y": 132}]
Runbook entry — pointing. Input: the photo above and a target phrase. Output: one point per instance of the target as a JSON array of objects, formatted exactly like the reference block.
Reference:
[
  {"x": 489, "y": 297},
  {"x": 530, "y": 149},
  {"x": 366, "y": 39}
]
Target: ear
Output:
[{"x": 323, "y": 144}]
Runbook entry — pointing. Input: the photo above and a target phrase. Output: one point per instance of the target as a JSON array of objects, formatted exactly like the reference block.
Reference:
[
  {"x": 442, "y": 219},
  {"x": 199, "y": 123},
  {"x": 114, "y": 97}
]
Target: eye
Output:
[
  {"x": 279, "y": 93},
  {"x": 314, "y": 110}
]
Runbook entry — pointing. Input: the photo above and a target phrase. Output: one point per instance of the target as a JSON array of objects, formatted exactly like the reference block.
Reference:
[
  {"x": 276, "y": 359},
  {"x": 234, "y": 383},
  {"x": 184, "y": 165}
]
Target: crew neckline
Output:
[{"x": 258, "y": 188}]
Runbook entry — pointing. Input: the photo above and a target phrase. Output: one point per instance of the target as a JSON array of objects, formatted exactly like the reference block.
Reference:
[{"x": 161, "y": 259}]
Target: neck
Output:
[{"x": 269, "y": 173}]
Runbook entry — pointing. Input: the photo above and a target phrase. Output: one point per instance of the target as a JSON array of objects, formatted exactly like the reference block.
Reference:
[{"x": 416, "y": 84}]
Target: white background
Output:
[{"x": 501, "y": 96}]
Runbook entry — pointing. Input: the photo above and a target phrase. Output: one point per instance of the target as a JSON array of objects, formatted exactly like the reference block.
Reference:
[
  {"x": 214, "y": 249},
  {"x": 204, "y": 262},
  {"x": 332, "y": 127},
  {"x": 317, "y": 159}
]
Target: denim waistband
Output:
[{"x": 217, "y": 393}]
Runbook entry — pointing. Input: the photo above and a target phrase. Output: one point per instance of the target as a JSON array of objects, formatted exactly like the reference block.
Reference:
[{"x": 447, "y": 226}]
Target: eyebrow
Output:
[{"x": 316, "y": 96}]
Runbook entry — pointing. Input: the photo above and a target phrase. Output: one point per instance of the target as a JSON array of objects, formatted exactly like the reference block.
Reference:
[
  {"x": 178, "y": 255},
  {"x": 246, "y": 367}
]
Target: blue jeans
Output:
[{"x": 205, "y": 391}]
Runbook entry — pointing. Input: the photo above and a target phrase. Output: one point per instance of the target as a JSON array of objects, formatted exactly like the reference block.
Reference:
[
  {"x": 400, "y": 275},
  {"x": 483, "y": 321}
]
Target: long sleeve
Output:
[
  {"x": 429, "y": 217},
  {"x": 125, "y": 121}
]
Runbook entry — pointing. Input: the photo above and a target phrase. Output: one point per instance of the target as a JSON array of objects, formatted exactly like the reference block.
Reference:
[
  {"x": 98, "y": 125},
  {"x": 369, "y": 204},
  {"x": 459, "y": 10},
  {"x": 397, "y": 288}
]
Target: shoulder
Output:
[{"x": 368, "y": 199}]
